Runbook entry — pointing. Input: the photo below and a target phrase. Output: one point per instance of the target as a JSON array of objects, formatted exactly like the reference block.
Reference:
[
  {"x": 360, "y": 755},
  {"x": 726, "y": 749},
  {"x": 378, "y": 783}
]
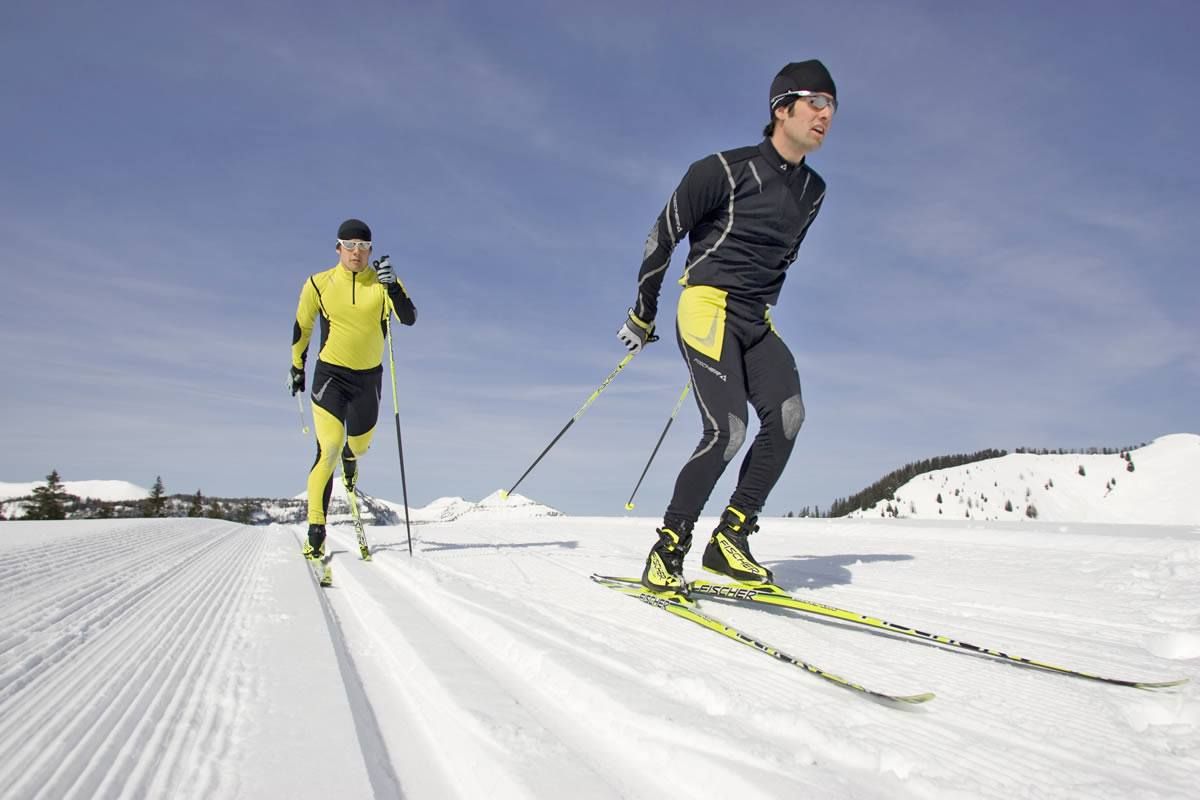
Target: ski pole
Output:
[
  {"x": 679, "y": 404},
  {"x": 396, "y": 408},
  {"x": 300, "y": 405},
  {"x": 578, "y": 414}
]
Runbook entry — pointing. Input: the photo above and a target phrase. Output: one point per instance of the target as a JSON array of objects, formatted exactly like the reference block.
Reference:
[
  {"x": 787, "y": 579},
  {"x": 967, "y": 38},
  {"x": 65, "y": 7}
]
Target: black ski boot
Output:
[
  {"x": 664, "y": 565},
  {"x": 315, "y": 546},
  {"x": 728, "y": 551}
]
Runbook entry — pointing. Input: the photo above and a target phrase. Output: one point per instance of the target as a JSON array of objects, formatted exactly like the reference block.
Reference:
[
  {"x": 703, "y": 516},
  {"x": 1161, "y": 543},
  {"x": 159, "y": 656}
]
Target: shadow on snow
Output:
[{"x": 818, "y": 572}]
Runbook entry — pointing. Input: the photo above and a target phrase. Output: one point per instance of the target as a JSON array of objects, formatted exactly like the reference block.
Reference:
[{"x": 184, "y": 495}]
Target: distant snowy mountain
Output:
[
  {"x": 443, "y": 509},
  {"x": 449, "y": 509},
  {"x": 97, "y": 490},
  {"x": 1155, "y": 484}
]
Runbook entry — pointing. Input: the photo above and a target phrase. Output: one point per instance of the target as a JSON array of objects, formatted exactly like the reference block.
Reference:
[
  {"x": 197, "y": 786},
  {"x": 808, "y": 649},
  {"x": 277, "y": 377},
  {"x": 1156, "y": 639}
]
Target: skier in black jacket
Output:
[{"x": 746, "y": 212}]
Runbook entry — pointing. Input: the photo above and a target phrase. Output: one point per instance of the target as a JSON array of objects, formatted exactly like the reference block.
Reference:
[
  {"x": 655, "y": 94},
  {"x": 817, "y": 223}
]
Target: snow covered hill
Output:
[
  {"x": 197, "y": 658},
  {"x": 1159, "y": 488},
  {"x": 99, "y": 490}
]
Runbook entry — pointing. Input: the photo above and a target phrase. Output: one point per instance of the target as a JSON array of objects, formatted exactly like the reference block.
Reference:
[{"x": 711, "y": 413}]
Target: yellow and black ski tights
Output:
[
  {"x": 345, "y": 406},
  {"x": 735, "y": 357}
]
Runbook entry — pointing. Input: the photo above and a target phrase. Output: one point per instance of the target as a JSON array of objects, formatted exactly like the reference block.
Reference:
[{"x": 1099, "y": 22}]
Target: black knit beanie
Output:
[
  {"x": 809, "y": 76},
  {"x": 354, "y": 229}
]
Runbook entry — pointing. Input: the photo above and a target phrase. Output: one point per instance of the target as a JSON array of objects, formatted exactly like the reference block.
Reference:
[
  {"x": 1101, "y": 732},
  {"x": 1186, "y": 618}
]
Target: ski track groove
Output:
[
  {"x": 148, "y": 640},
  {"x": 177, "y": 701},
  {"x": 539, "y": 707},
  {"x": 76, "y": 588},
  {"x": 491, "y": 671},
  {"x": 685, "y": 683},
  {"x": 372, "y": 743}
]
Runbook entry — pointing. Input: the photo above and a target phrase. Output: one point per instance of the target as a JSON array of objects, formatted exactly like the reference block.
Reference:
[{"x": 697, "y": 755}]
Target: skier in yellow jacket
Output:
[{"x": 353, "y": 300}]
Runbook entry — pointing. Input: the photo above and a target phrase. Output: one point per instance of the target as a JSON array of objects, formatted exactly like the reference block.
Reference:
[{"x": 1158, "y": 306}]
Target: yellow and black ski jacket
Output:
[
  {"x": 353, "y": 308},
  {"x": 746, "y": 211}
]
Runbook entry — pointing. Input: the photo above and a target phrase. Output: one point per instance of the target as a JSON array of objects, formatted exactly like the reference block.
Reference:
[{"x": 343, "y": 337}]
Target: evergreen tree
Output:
[
  {"x": 196, "y": 508},
  {"x": 156, "y": 503},
  {"x": 49, "y": 501},
  {"x": 244, "y": 513},
  {"x": 215, "y": 511}
]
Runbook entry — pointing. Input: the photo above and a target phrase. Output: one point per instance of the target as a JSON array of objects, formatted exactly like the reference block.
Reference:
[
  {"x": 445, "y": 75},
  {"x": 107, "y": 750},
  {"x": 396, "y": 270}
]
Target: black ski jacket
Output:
[{"x": 747, "y": 211}]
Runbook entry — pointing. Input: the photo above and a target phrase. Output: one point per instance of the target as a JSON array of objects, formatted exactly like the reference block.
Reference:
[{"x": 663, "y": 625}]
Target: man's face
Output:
[
  {"x": 805, "y": 126},
  {"x": 354, "y": 254}
]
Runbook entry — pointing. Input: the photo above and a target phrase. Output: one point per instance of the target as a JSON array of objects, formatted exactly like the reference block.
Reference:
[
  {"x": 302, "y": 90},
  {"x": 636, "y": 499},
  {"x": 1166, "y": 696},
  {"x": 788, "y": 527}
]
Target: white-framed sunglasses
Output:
[
  {"x": 354, "y": 244},
  {"x": 817, "y": 101}
]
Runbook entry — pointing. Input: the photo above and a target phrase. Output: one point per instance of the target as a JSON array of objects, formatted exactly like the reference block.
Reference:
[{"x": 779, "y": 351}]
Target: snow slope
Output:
[
  {"x": 197, "y": 658},
  {"x": 1161, "y": 489}
]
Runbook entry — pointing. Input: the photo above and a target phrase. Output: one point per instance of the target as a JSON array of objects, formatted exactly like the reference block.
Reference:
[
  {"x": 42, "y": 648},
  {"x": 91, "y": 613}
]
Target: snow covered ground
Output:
[{"x": 198, "y": 658}]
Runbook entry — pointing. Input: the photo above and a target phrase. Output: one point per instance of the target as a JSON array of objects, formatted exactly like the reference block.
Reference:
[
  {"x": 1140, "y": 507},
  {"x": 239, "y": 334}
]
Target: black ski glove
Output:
[{"x": 295, "y": 380}]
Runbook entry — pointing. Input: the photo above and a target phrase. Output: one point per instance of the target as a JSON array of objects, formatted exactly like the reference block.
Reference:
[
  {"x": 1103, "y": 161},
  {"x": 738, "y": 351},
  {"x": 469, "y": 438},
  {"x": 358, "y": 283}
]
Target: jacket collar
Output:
[{"x": 777, "y": 162}]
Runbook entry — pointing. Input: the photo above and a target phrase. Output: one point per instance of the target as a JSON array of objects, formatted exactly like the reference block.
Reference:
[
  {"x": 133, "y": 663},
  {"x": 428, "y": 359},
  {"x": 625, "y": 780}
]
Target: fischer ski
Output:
[
  {"x": 684, "y": 607},
  {"x": 364, "y": 549},
  {"x": 322, "y": 570},
  {"x": 770, "y": 595}
]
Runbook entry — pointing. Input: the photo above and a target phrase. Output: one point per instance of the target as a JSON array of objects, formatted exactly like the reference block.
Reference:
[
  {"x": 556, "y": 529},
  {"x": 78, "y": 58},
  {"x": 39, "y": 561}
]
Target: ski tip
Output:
[
  {"x": 914, "y": 699},
  {"x": 1160, "y": 684},
  {"x": 598, "y": 578}
]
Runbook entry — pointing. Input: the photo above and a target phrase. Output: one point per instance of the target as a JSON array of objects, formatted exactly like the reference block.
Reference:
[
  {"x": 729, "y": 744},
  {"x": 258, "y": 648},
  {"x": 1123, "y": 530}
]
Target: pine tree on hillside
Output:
[
  {"x": 215, "y": 511},
  {"x": 196, "y": 508},
  {"x": 49, "y": 501},
  {"x": 244, "y": 513},
  {"x": 156, "y": 504}
]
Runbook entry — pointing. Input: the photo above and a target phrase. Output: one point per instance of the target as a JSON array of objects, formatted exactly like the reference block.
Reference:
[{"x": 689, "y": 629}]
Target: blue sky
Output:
[{"x": 1006, "y": 256}]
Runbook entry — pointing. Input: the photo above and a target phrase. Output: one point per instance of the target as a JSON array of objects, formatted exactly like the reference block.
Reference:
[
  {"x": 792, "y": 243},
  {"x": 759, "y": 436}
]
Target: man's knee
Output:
[
  {"x": 734, "y": 436},
  {"x": 791, "y": 415},
  {"x": 359, "y": 445}
]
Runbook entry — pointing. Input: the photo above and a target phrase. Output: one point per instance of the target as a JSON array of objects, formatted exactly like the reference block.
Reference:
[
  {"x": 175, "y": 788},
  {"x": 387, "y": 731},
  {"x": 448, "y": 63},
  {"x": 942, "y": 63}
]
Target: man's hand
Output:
[
  {"x": 385, "y": 273},
  {"x": 636, "y": 333},
  {"x": 295, "y": 380}
]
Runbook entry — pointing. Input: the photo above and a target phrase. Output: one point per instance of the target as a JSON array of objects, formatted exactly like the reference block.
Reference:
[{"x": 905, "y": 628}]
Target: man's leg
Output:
[
  {"x": 774, "y": 388},
  {"x": 713, "y": 359},
  {"x": 361, "y": 415},
  {"x": 329, "y": 400}
]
